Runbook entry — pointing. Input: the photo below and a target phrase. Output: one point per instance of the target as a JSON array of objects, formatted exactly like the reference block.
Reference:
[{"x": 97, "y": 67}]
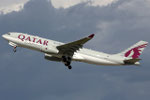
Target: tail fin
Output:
[{"x": 134, "y": 51}]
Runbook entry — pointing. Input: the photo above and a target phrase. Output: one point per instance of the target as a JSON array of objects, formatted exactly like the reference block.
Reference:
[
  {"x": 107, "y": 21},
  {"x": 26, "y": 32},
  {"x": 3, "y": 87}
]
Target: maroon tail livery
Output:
[{"x": 135, "y": 51}]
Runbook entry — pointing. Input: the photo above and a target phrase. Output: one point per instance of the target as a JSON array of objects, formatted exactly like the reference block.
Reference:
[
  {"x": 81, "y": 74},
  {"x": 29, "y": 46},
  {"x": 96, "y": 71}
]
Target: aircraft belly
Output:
[{"x": 98, "y": 61}]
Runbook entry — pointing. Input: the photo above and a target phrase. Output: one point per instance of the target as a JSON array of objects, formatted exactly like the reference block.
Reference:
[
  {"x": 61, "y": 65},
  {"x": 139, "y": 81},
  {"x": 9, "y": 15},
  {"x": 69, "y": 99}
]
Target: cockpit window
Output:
[{"x": 8, "y": 33}]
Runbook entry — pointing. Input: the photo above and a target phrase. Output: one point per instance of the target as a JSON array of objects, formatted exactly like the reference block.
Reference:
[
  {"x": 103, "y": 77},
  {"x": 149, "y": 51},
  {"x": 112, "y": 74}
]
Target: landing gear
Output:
[
  {"x": 67, "y": 61},
  {"x": 69, "y": 67},
  {"x": 15, "y": 49}
]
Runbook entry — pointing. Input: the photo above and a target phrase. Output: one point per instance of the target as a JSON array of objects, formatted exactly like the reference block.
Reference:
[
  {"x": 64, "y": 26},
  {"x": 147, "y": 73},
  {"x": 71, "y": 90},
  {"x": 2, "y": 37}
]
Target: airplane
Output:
[{"x": 74, "y": 51}]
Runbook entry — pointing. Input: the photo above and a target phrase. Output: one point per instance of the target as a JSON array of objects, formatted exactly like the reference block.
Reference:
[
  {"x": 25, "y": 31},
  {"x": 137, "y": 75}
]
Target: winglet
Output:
[{"x": 91, "y": 36}]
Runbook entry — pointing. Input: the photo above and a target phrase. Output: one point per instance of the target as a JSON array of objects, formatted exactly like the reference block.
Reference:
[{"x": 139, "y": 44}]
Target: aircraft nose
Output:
[{"x": 4, "y": 36}]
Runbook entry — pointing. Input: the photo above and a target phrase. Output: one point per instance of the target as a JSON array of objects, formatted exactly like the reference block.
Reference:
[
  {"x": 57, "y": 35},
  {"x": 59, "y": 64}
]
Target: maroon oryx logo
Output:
[{"x": 135, "y": 52}]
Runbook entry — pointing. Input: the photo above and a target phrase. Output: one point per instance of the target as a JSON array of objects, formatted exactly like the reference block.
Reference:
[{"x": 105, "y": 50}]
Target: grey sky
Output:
[{"x": 26, "y": 75}]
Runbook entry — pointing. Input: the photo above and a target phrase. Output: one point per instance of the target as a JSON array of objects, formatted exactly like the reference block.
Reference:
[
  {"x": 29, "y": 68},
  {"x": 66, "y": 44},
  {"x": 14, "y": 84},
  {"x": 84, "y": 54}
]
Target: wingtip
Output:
[{"x": 91, "y": 36}]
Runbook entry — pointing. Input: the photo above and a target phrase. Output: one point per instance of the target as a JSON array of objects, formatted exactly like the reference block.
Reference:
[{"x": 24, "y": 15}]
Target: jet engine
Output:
[{"x": 52, "y": 58}]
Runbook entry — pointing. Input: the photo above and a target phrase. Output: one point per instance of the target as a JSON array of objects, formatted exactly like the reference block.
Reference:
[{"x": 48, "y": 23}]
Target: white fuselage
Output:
[{"x": 49, "y": 47}]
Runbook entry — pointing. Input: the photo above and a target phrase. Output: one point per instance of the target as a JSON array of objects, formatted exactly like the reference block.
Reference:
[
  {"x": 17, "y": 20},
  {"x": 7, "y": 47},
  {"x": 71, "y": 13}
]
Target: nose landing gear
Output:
[{"x": 15, "y": 48}]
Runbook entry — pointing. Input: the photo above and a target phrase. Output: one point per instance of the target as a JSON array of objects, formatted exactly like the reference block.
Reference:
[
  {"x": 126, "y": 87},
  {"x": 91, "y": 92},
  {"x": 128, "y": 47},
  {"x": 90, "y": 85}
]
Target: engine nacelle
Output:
[{"x": 52, "y": 58}]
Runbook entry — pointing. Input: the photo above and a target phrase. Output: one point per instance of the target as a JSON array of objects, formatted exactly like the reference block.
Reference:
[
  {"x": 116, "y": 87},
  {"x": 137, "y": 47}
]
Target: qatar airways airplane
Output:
[{"x": 74, "y": 51}]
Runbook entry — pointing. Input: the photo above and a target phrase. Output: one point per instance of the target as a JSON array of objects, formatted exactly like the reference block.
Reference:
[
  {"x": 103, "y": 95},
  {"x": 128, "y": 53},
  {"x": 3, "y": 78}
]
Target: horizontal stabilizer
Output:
[{"x": 131, "y": 61}]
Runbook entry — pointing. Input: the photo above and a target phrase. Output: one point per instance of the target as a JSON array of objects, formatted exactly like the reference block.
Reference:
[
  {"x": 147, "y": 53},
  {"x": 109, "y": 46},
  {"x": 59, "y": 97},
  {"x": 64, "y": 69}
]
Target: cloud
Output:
[
  {"x": 26, "y": 75},
  {"x": 11, "y": 5},
  {"x": 69, "y": 3}
]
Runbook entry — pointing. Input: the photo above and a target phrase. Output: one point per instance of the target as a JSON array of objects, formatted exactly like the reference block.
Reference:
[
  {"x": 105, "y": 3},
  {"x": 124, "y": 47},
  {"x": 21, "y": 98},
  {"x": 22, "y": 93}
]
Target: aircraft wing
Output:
[{"x": 69, "y": 48}]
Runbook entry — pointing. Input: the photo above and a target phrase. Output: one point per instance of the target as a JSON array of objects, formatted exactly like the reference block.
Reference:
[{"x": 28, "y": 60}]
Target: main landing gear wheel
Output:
[
  {"x": 69, "y": 67},
  {"x": 67, "y": 61}
]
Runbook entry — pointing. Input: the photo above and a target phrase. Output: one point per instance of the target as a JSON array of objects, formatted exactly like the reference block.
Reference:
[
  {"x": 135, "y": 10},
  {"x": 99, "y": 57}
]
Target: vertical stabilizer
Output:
[{"x": 134, "y": 51}]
